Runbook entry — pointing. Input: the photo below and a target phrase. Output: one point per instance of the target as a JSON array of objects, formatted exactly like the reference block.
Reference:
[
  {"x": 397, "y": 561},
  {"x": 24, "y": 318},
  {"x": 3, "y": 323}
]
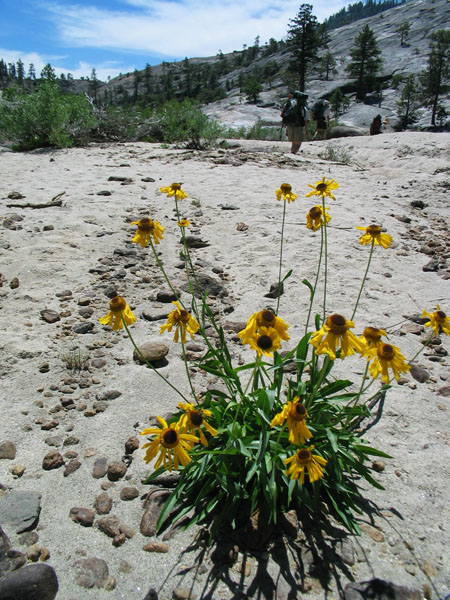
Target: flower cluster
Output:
[{"x": 264, "y": 332}]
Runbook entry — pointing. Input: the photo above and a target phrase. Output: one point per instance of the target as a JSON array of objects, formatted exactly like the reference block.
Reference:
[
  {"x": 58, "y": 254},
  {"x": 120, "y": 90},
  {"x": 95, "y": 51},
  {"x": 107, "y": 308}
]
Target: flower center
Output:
[
  {"x": 264, "y": 342},
  {"x": 372, "y": 333},
  {"x": 268, "y": 317},
  {"x": 304, "y": 456},
  {"x": 176, "y": 186},
  {"x": 169, "y": 438},
  {"x": 440, "y": 315},
  {"x": 196, "y": 417},
  {"x": 386, "y": 352},
  {"x": 182, "y": 317},
  {"x": 321, "y": 187},
  {"x": 146, "y": 225},
  {"x": 337, "y": 324},
  {"x": 315, "y": 212},
  {"x": 298, "y": 412},
  {"x": 373, "y": 230},
  {"x": 285, "y": 188},
  {"x": 117, "y": 304}
]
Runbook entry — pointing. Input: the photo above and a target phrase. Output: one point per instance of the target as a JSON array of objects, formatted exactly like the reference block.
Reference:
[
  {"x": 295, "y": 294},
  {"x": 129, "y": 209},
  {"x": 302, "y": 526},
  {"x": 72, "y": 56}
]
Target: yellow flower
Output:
[
  {"x": 336, "y": 330},
  {"x": 265, "y": 341},
  {"x": 386, "y": 357},
  {"x": 174, "y": 190},
  {"x": 295, "y": 413},
  {"x": 193, "y": 419},
  {"x": 372, "y": 336},
  {"x": 146, "y": 228},
  {"x": 285, "y": 192},
  {"x": 118, "y": 307},
  {"x": 302, "y": 459},
  {"x": 314, "y": 218},
  {"x": 439, "y": 321},
  {"x": 323, "y": 188},
  {"x": 183, "y": 223},
  {"x": 183, "y": 321},
  {"x": 172, "y": 445},
  {"x": 373, "y": 235},
  {"x": 264, "y": 318}
]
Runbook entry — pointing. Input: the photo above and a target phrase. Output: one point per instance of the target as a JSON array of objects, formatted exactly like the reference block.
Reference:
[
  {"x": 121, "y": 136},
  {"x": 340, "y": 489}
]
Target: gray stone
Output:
[
  {"x": 20, "y": 509},
  {"x": 276, "y": 289},
  {"x": 86, "y": 312},
  {"x": 152, "y": 509},
  {"x": 109, "y": 526},
  {"x": 207, "y": 284},
  {"x": 153, "y": 351},
  {"x": 129, "y": 493},
  {"x": 14, "y": 283},
  {"x": 109, "y": 395},
  {"x": 82, "y": 328},
  {"x": 50, "y": 316},
  {"x": 157, "y": 315},
  {"x": 52, "y": 460},
  {"x": 83, "y": 516},
  {"x": 116, "y": 470},
  {"x": 7, "y": 450},
  {"x": 194, "y": 242},
  {"x": 100, "y": 468},
  {"x": 419, "y": 373},
  {"x": 31, "y": 582},
  {"x": 103, "y": 504},
  {"x": 166, "y": 296},
  {"x": 378, "y": 589},
  {"x": 131, "y": 444},
  {"x": 339, "y": 131},
  {"x": 91, "y": 572}
]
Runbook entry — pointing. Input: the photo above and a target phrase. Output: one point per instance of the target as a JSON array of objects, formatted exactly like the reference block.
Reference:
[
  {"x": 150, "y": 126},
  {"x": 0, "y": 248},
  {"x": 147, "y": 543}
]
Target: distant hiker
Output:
[
  {"x": 295, "y": 116},
  {"x": 320, "y": 112},
  {"x": 375, "y": 126}
]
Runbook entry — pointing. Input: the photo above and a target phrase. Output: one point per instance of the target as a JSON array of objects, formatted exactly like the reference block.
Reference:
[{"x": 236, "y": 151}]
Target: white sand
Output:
[{"x": 384, "y": 175}]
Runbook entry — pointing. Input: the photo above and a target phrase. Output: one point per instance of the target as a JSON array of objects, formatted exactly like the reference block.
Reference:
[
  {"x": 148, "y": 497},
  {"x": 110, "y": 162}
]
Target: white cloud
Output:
[{"x": 184, "y": 28}]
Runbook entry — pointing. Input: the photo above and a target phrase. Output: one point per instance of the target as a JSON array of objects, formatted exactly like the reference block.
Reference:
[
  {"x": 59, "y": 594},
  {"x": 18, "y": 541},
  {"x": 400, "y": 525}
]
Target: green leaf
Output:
[
  {"x": 333, "y": 440},
  {"x": 370, "y": 451},
  {"x": 310, "y": 287}
]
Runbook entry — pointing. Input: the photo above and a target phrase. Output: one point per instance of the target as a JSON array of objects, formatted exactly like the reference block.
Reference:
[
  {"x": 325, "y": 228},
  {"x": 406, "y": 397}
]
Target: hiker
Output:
[
  {"x": 320, "y": 112},
  {"x": 295, "y": 116},
  {"x": 375, "y": 126}
]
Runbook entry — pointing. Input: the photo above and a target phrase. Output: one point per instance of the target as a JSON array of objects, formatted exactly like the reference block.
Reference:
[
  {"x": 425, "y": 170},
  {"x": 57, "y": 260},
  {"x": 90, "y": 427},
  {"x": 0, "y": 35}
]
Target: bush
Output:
[
  {"x": 45, "y": 118},
  {"x": 185, "y": 122}
]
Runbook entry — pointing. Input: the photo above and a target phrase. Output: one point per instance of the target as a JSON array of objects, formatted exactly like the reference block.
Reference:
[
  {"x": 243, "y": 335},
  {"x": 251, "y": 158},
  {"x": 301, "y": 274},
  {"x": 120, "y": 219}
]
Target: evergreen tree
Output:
[
  {"x": 436, "y": 78},
  {"x": 366, "y": 61},
  {"x": 409, "y": 102},
  {"x": 303, "y": 42},
  {"x": 327, "y": 65},
  {"x": 3, "y": 70},
  {"x": 338, "y": 102},
  {"x": 31, "y": 72},
  {"x": 11, "y": 70},
  {"x": 20, "y": 71},
  {"x": 403, "y": 30},
  {"x": 93, "y": 84},
  {"x": 148, "y": 79},
  {"x": 48, "y": 72},
  {"x": 137, "y": 78},
  {"x": 252, "y": 88}
]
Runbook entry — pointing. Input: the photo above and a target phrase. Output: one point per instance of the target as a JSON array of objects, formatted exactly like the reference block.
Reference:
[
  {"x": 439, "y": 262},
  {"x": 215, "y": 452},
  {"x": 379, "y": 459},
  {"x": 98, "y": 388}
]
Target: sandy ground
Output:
[{"x": 55, "y": 249}]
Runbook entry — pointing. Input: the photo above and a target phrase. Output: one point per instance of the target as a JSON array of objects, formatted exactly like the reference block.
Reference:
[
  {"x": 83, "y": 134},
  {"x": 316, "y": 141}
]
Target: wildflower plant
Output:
[{"x": 282, "y": 432}]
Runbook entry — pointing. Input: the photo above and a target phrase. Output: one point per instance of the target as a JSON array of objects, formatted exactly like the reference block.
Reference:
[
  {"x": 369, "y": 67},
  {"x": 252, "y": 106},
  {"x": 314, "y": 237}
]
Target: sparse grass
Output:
[
  {"x": 75, "y": 359},
  {"x": 338, "y": 155}
]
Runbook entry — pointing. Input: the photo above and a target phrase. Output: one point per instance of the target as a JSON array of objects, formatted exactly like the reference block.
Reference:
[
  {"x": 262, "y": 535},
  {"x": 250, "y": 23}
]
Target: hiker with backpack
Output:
[
  {"x": 320, "y": 112},
  {"x": 295, "y": 116}
]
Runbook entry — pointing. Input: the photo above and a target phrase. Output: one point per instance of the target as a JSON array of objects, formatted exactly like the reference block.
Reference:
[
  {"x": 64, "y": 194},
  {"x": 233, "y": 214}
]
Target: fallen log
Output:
[{"x": 55, "y": 201}]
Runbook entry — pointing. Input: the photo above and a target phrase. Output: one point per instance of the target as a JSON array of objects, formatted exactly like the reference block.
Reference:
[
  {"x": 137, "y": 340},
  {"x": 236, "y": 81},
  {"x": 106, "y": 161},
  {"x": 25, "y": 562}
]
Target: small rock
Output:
[
  {"x": 14, "y": 283},
  {"x": 110, "y": 395},
  {"x": 109, "y": 526},
  {"x": 34, "y": 552},
  {"x": 71, "y": 467},
  {"x": 444, "y": 391},
  {"x": 148, "y": 179},
  {"x": 44, "y": 367},
  {"x": 419, "y": 373},
  {"x": 116, "y": 470},
  {"x": 131, "y": 444},
  {"x": 157, "y": 547},
  {"x": 374, "y": 533},
  {"x": 104, "y": 193},
  {"x": 82, "y": 328},
  {"x": 128, "y": 531},
  {"x": 28, "y": 538},
  {"x": 166, "y": 296},
  {"x": 129, "y": 493},
  {"x": 100, "y": 468},
  {"x": 111, "y": 583},
  {"x": 50, "y": 316},
  {"x": 7, "y": 450},
  {"x": 152, "y": 509},
  {"x": 378, "y": 466},
  {"x": 52, "y": 460},
  {"x": 118, "y": 540},
  {"x": 20, "y": 509},
  {"x": 182, "y": 593},
  {"x": 54, "y": 440},
  {"x": 18, "y": 470},
  {"x": 91, "y": 572},
  {"x": 195, "y": 242},
  {"x": 153, "y": 351},
  {"x": 276, "y": 289},
  {"x": 432, "y": 266},
  {"x": 103, "y": 504},
  {"x": 15, "y": 196},
  {"x": 71, "y": 440},
  {"x": 31, "y": 582}
]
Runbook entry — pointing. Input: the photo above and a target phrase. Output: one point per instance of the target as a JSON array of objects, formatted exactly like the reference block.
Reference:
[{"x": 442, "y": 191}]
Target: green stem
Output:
[
  {"x": 188, "y": 264},
  {"x": 313, "y": 293},
  {"x": 160, "y": 265},
  {"x": 326, "y": 259},
  {"x": 253, "y": 375},
  {"x": 364, "y": 279},
  {"x": 421, "y": 349},
  {"x": 281, "y": 256},
  {"x": 187, "y": 372},
  {"x": 149, "y": 364}
]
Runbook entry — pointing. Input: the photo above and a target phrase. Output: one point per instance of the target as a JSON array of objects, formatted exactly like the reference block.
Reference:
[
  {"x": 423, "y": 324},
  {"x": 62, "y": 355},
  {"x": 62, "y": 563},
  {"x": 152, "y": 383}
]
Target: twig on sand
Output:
[{"x": 55, "y": 201}]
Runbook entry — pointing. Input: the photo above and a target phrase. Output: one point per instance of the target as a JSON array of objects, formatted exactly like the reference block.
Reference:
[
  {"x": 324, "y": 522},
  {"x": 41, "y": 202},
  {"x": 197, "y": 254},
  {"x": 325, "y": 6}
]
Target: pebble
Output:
[
  {"x": 20, "y": 509},
  {"x": 153, "y": 351},
  {"x": 50, "y": 316},
  {"x": 83, "y": 516},
  {"x": 31, "y": 582},
  {"x": 129, "y": 493},
  {"x": 103, "y": 504},
  {"x": 52, "y": 460},
  {"x": 419, "y": 373},
  {"x": 83, "y": 328},
  {"x": 116, "y": 470},
  {"x": 157, "y": 547},
  {"x": 100, "y": 468},
  {"x": 14, "y": 283},
  {"x": 182, "y": 593},
  {"x": 17, "y": 470},
  {"x": 71, "y": 467},
  {"x": 374, "y": 533},
  {"x": 131, "y": 444},
  {"x": 7, "y": 450},
  {"x": 91, "y": 572},
  {"x": 109, "y": 395},
  {"x": 152, "y": 509},
  {"x": 109, "y": 525}
]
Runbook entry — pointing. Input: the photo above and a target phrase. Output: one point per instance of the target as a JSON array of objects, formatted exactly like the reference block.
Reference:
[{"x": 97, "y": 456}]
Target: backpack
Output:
[
  {"x": 293, "y": 114},
  {"x": 318, "y": 110}
]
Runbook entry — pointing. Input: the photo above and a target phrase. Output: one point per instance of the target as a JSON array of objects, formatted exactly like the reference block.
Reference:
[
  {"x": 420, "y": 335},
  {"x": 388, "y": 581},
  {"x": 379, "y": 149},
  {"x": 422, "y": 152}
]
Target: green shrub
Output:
[
  {"x": 185, "y": 122},
  {"x": 46, "y": 117}
]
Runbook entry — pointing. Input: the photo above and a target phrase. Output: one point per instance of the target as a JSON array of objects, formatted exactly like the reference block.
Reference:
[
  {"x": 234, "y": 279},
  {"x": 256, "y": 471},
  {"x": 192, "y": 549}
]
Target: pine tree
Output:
[
  {"x": 327, "y": 65},
  {"x": 366, "y": 61},
  {"x": 93, "y": 84},
  {"x": 31, "y": 72},
  {"x": 403, "y": 30},
  {"x": 148, "y": 78},
  {"x": 409, "y": 102},
  {"x": 20, "y": 71},
  {"x": 48, "y": 72},
  {"x": 436, "y": 78},
  {"x": 304, "y": 42}
]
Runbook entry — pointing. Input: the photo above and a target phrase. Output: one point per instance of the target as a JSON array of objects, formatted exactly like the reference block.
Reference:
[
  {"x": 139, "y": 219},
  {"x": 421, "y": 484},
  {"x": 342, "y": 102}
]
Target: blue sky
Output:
[{"x": 117, "y": 36}]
